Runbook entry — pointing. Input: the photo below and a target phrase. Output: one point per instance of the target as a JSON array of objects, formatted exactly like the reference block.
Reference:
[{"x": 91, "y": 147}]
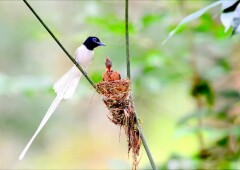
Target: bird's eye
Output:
[{"x": 94, "y": 39}]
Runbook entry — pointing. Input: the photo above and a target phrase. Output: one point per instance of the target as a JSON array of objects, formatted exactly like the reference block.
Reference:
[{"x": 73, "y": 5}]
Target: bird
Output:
[
  {"x": 108, "y": 64},
  {"x": 109, "y": 74},
  {"x": 66, "y": 86}
]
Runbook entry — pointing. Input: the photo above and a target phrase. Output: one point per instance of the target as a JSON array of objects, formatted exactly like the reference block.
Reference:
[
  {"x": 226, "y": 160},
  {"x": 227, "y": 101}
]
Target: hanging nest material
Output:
[{"x": 117, "y": 97}]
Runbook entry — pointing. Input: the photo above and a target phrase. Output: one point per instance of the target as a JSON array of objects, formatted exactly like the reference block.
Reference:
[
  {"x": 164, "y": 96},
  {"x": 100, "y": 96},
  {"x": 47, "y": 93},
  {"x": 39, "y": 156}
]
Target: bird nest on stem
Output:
[{"x": 117, "y": 97}]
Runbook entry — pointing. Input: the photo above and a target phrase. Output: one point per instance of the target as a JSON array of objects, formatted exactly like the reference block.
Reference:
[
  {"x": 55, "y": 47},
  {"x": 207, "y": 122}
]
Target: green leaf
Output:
[
  {"x": 191, "y": 17},
  {"x": 205, "y": 24},
  {"x": 224, "y": 63},
  {"x": 232, "y": 94},
  {"x": 96, "y": 76},
  {"x": 223, "y": 141},
  {"x": 202, "y": 87},
  {"x": 111, "y": 23},
  {"x": 149, "y": 19}
]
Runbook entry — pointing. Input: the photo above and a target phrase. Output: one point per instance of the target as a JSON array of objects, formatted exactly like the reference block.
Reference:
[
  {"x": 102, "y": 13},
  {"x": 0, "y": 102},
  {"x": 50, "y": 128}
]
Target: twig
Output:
[
  {"x": 127, "y": 40},
  {"x": 144, "y": 140},
  {"x": 58, "y": 42},
  {"x": 129, "y": 76}
]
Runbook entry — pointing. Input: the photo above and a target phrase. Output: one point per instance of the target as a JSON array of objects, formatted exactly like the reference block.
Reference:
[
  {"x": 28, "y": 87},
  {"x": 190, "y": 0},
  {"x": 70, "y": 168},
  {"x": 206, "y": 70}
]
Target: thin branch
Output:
[
  {"x": 58, "y": 42},
  {"x": 127, "y": 40},
  {"x": 129, "y": 76},
  {"x": 144, "y": 140}
]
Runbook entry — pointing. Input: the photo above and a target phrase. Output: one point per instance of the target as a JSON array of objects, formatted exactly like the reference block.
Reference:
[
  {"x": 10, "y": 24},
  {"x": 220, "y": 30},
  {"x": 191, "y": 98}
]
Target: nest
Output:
[{"x": 117, "y": 97}]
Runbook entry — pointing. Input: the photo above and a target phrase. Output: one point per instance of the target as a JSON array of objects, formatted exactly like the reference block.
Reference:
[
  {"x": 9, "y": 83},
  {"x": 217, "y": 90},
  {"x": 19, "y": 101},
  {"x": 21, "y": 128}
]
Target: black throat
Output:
[{"x": 89, "y": 45}]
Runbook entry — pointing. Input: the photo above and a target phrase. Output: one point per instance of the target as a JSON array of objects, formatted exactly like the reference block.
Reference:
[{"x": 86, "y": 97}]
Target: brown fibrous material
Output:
[{"x": 117, "y": 97}]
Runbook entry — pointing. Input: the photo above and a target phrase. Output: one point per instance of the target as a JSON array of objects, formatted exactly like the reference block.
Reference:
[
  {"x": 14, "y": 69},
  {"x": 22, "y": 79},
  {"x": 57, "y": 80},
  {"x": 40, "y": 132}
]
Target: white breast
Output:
[{"x": 84, "y": 56}]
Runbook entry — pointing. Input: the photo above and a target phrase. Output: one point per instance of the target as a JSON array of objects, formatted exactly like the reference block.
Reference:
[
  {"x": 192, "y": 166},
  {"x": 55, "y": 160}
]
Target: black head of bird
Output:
[{"x": 92, "y": 42}]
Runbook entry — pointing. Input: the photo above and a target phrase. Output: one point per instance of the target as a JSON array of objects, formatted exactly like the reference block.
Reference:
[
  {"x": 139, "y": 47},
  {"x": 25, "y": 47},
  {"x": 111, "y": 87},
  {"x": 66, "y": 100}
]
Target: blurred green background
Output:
[{"x": 186, "y": 92}]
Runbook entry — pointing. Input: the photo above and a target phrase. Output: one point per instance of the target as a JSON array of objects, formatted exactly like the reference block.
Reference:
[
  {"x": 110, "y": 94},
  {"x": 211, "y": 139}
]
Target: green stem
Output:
[
  {"x": 127, "y": 40},
  {"x": 58, "y": 42},
  {"x": 144, "y": 142}
]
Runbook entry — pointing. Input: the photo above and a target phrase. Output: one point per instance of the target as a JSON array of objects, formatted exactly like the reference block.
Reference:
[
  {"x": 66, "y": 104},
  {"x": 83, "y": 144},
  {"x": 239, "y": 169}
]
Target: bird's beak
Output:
[{"x": 101, "y": 44}]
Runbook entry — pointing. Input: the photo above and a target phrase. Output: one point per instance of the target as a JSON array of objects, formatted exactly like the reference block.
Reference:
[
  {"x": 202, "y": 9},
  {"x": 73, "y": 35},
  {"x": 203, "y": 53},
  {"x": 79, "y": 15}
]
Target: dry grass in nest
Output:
[{"x": 117, "y": 97}]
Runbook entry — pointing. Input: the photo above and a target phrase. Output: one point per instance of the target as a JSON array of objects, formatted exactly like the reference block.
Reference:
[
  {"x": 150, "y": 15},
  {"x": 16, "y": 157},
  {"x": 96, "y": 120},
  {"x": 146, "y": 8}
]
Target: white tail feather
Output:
[
  {"x": 50, "y": 111},
  {"x": 69, "y": 80},
  {"x": 73, "y": 84},
  {"x": 65, "y": 88}
]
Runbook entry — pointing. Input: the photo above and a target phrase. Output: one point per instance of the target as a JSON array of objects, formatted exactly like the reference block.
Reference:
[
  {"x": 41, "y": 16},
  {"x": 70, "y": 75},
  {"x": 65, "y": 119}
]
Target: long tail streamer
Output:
[{"x": 65, "y": 88}]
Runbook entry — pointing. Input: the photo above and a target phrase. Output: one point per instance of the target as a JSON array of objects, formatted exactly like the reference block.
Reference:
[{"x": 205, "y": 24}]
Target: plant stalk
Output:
[
  {"x": 144, "y": 142},
  {"x": 127, "y": 40}
]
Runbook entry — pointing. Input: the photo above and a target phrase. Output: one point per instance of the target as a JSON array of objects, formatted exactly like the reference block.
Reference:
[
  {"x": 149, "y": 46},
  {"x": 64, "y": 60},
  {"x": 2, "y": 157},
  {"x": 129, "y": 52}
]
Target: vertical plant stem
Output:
[
  {"x": 127, "y": 40},
  {"x": 144, "y": 140},
  {"x": 129, "y": 76},
  {"x": 58, "y": 42}
]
